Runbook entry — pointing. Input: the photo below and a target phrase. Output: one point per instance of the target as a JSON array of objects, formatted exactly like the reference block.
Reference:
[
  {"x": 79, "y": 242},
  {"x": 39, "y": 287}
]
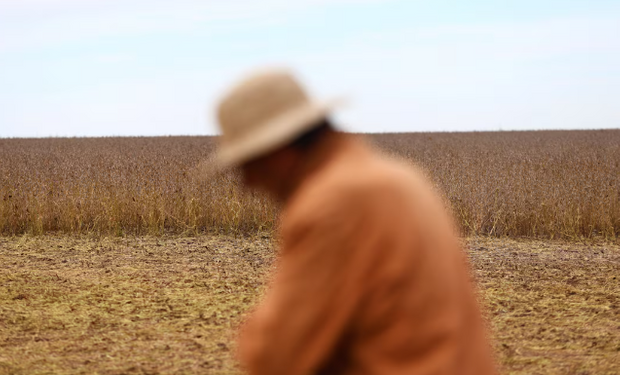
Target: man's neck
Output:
[{"x": 311, "y": 161}]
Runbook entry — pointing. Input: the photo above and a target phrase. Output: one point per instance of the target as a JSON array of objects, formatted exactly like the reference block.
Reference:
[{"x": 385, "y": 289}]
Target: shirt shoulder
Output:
[{"x": 352, "y": 188}]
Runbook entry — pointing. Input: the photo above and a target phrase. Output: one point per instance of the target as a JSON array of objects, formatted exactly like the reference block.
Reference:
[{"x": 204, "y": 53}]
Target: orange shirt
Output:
[{"x": 370, "y": 280}]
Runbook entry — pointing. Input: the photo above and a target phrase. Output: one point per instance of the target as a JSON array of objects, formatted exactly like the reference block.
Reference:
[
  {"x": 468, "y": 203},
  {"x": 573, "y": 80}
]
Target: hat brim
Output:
[{"x": 269, "y": 137}]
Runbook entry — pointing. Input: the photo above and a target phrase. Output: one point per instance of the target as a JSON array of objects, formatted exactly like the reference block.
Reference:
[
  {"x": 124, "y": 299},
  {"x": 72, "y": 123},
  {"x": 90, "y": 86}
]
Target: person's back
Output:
[{"x": 371, "y": 278}]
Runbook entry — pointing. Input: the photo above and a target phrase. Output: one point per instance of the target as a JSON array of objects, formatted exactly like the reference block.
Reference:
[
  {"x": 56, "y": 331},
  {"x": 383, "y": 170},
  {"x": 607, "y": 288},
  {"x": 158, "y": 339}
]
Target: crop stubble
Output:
[{"x": 171, "y": 305}]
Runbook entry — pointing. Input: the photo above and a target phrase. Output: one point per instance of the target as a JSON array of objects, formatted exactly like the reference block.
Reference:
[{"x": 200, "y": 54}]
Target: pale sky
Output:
[{"x": 152, "y": 67}]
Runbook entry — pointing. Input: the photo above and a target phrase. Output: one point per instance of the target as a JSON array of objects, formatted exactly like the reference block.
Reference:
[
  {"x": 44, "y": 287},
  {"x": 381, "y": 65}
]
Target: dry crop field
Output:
[
  {"x": 546, "y": 184},
  {"x": 171, "y": 304},
  {"x": 119, "y": 257}
]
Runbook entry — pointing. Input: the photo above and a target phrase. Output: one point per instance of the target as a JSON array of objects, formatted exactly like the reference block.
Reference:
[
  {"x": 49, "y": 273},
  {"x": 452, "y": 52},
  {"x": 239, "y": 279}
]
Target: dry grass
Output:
[
  {"x": 537, "y": 184},
  {"x": 549, "y": 184},
  {"x": 170, "y": 305},
  {"x": 122, "y": 185}
]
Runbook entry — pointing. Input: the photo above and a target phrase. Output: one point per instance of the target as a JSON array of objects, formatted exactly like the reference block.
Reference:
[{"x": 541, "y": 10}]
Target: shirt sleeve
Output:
[{"x": 313, "y": 296}]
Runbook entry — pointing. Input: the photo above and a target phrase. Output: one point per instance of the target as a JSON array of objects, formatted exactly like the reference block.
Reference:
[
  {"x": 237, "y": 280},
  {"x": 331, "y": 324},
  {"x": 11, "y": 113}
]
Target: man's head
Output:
[
  {"x": 275, "y": 171},
  {"x": 268, "y": 125}
]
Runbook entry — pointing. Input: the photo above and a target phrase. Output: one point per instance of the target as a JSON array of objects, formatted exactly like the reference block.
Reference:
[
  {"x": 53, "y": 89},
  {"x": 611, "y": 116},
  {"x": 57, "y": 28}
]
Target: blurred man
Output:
[{"x": 371, "y": 278}]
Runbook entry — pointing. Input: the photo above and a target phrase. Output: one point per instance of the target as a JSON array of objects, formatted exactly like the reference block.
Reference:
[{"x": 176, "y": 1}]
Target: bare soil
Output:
[{"x": 171, "y": 305}]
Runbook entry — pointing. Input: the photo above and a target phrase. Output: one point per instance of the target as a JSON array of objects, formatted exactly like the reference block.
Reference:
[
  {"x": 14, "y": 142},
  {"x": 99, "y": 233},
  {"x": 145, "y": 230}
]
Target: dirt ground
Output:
[{"x": 171, "y": 305}]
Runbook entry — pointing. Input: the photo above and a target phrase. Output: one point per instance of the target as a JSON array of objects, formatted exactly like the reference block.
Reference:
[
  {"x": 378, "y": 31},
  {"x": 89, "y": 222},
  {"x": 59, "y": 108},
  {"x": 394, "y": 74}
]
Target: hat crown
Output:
[
  {"x": 262, "y": 113},
  {"x": 257, "y": 100}
]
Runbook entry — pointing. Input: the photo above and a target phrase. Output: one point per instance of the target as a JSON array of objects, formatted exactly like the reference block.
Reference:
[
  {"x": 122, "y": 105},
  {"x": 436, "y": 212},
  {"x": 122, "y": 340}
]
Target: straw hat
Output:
[{"x": 264, "y": 112}]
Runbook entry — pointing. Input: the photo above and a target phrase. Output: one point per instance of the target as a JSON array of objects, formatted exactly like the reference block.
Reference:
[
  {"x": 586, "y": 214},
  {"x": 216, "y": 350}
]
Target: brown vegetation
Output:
[
  {"x": 121, "y": 185},
  {"x": 537, "y": 184},
  {"x": 171, "y": 305},
  {"x": 554, "y": 184}
]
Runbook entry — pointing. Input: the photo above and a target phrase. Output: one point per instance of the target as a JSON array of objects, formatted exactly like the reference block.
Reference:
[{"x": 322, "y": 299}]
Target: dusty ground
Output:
[{"x": 167, "y": 305}]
